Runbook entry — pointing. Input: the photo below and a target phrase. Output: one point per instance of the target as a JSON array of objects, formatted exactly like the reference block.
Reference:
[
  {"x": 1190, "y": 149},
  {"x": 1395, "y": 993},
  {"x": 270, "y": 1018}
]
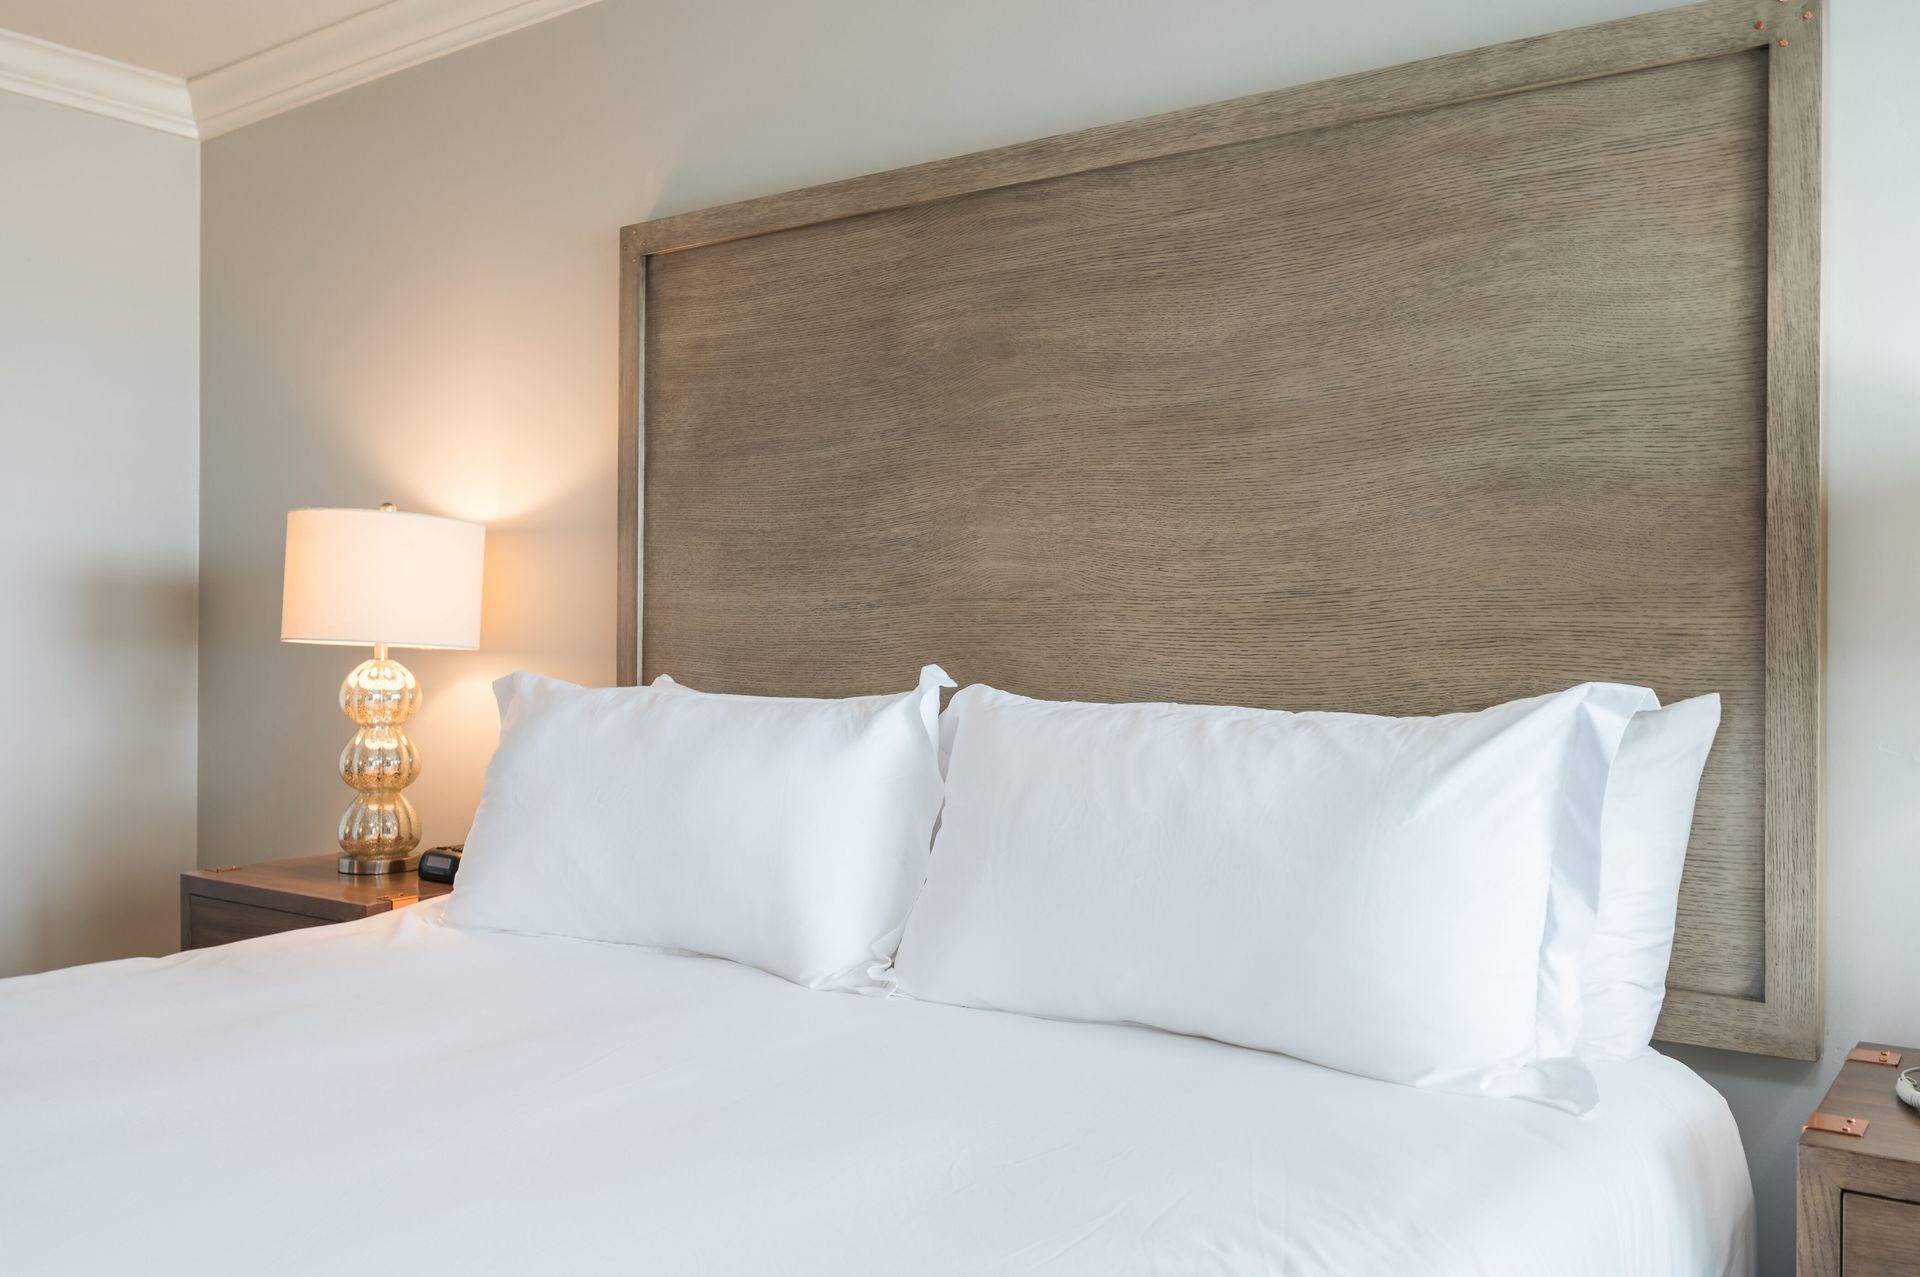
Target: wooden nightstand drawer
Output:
[
  {"x": 1860, "y": 1173},
  {"x": 1879, "y": 1237},
  {"x": 211, "y": 922},
  {"x": 239, "y": 902}
]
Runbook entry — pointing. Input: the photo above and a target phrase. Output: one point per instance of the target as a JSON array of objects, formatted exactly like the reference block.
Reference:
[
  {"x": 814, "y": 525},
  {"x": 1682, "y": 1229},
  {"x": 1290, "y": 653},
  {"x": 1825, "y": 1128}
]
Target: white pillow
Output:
[
  {"x": 1643, "y": 835},
  {"x": 1366, "y": 893},
  {"x": 790, "y": 835}
]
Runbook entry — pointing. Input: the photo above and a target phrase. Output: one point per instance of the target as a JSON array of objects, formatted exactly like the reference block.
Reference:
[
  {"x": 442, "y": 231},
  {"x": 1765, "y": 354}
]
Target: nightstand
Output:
[
  {"x": 244, "y": 901},
  {"x": 1860, "y": 1194}
]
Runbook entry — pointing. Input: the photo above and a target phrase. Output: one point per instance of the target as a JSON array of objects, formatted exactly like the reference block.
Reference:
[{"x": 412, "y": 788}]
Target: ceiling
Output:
[
  {"x": 182, "y": 38},
  {"x": 200, "y": 68}
]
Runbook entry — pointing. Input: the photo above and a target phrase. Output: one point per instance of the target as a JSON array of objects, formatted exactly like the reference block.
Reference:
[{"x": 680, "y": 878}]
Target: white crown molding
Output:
[
  {"x": 55, "y": 73},
  {"x": 397, "y": 35},
  {"x": 392, "y": 37}
]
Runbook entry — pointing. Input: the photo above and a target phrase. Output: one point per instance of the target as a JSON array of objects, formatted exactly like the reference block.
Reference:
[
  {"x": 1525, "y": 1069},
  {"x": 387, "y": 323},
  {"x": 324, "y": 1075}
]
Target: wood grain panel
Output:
[
  {"x": 1408, "y": 392},
  {"x": 1419, "y": 442},
  {"x": 211, "y": 922},
  {"x": 1796, "y": 534},
  {"x": 627, "y": 589},
  {"x": 1881, "y": 1237}
]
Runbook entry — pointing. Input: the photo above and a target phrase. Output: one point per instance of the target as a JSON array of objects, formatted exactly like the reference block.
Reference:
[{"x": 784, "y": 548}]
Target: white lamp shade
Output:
[{"x": 379, "y": 576}]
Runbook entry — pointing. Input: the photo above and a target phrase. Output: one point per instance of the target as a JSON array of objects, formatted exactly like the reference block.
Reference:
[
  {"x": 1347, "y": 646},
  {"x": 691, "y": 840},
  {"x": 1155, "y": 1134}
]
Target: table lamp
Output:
[{"x": 383, "y": 579}]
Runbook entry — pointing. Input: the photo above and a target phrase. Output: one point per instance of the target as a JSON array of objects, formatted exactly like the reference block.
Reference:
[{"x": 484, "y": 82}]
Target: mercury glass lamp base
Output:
[
  {"x": 379, "y": 864},
  {"x": 379, "y": 831}
]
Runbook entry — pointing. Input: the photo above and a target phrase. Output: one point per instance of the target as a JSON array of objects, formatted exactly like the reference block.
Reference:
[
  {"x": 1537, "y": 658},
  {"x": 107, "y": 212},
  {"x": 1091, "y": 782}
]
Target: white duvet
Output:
[{"x": 396, "y": 1096}]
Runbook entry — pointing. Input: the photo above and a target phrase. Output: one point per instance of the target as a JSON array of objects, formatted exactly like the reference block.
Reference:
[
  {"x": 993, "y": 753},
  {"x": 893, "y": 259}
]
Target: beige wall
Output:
[
  {"x": 409, "y": 295},
  {"x": 99, "y": 418}
]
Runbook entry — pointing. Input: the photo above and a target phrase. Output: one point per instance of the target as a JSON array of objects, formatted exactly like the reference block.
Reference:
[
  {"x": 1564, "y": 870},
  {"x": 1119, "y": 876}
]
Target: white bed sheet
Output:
[{"x": 398, "y": 1096}]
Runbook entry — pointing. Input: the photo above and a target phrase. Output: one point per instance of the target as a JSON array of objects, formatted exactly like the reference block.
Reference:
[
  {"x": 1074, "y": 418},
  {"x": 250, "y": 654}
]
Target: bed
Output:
[
  {"x": 539, "y": 1105},
  {"x": 1151, "y": 412}
]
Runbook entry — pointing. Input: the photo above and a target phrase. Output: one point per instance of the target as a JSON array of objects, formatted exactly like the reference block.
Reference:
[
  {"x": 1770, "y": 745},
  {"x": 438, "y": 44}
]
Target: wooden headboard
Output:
[{"x": 1407, "y": 392}]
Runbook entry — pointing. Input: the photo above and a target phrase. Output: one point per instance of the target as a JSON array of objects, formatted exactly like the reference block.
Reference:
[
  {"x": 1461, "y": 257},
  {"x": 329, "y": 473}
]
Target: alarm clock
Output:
[{"x": 440, "y": 864}]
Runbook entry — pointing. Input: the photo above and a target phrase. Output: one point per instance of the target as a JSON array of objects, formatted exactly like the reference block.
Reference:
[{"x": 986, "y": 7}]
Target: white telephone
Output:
[{"x": 1907, "y": 1087}]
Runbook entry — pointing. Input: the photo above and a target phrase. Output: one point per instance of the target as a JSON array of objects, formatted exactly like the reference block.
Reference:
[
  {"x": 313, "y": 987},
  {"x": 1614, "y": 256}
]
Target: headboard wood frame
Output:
[{"x": 818, "y": 519}]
